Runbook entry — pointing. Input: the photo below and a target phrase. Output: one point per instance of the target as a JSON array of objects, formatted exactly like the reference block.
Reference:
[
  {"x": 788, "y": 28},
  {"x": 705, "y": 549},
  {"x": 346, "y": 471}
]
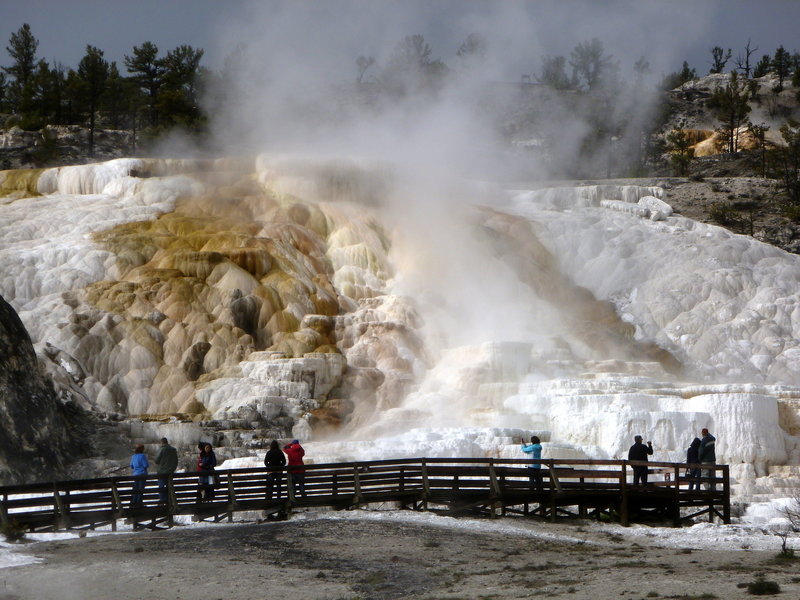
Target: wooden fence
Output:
[{"x": 586, "y": 488}]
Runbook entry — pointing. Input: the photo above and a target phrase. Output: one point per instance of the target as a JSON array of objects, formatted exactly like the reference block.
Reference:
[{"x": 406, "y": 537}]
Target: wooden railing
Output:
[{"x": 455, "y": 484}]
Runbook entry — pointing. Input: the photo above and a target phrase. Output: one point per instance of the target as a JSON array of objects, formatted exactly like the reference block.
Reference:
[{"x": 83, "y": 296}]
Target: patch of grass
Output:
[
  {"x": 762, "y": 587},
  {"x": 374, "y": 578},
  {"x": 684, "y": 551},
  {"x": 652, "y": 595},
  {"x": 432, "y": 544}
]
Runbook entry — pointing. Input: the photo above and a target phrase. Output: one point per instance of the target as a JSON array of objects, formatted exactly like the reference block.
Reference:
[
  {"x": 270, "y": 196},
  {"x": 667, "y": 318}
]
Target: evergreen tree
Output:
[
  {"x": 590, "y": 65},
  {"x": 786, "y": 161},
  {"x": 677, "y": 79},
  {"x": 731, "y": 105},
  {"x": 762, "y": 66},
  {"x": 177, "y": 103},
  {"x": 147, "y": 70},
  {"x": 472, "y": 51},
  {"x": 114, "y": 99},
  {"x": 781, "y": 64},
  {"x": 719, "y": 59},
  {"x": 22, "y": 50},
  {"x": 93, "y": 74},
  {"x": 554, "y": 72},
  {"x": 411, "y": 69},
  {"x": 681, "y": 153}
]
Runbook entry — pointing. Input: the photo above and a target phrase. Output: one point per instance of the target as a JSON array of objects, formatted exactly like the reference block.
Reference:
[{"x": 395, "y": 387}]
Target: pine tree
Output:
[
  {"x": 590, "y": 64},
  {"x": 22, "y": 49},
  {"x": 147, "y": 70},
  {"x": 781, "y": 64},
  {"x": 681, "y": 153},
  {"x": 719, "y": 59},
  {"x": 731, "y": 105},
  {"x": 93, "y": 74},
  {"x": 762, "y": 66}
]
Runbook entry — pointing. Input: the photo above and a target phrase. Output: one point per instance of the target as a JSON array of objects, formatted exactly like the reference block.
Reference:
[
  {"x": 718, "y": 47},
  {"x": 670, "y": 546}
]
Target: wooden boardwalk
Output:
[{"x": 584, "y": 488}]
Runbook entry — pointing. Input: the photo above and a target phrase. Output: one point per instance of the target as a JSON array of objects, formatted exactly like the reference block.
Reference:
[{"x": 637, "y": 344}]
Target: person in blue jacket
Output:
[
  {"x": 535, "y": 468},
  {"x": 138, "y": 466}
]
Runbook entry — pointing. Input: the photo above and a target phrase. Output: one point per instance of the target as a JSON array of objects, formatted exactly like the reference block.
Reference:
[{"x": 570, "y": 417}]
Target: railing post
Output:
[
  {"x": 4, "y": 512},
  {"x": 425, "y": 485},
  {"x": 623, "y": 503},
  {"x": 495, "y": 487},
  {"x": 61, "y": 517},
  {"x": 726, "y": 494},
  {"x": 676, "y": 517},
  {"x": 173, "y": 498},
  {"x": 356, "y": 485},
  {"x": 289, "y": 488},
  {"x": 231, "y": 497}
]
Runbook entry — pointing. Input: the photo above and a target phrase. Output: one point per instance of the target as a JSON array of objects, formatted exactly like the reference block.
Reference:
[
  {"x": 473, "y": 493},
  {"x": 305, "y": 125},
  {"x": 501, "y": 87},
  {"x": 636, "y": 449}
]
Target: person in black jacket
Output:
[
  {"x": 693, "y": 458},
  {"x": 639, "y": 452},
  {"x": 274, "y": 458},
  {"x": 708, "y": 456}
]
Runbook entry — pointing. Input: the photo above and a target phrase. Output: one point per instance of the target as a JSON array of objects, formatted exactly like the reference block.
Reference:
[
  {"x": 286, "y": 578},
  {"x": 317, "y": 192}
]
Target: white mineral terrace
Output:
[{"x": 448, "y": 344}]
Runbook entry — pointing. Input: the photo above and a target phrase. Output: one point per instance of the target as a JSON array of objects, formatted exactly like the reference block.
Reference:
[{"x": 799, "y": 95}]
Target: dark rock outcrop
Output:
[{"x": 39, "y": 436}]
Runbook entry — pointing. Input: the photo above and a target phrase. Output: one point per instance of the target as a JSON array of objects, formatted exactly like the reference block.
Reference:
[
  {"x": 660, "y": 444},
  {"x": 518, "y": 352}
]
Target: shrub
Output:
[
  {"x": 762, "y": 587},
  {"x": 12, "y": 530}
]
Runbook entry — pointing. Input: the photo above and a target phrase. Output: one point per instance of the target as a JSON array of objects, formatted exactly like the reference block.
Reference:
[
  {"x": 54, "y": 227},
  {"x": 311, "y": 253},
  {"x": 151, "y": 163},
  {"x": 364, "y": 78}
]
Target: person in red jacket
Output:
[{"x": 295, "y": 453}]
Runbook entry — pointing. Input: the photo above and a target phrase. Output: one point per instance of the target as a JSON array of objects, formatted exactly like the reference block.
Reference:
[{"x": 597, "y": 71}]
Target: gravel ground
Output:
[{"x": 338, "y": 559}]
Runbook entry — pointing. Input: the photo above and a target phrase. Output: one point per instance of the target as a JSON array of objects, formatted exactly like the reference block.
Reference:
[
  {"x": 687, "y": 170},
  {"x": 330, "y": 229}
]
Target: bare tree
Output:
[
  {"x": 743, "y": 60},
  {"x": 363, "y": 63}
]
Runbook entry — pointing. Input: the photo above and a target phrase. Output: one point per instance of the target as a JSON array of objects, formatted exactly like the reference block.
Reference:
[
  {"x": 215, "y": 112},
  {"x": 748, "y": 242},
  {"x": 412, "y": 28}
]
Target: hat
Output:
[
  {"x": 295, "y": 441},
  {"x": 638, "y": 438}
]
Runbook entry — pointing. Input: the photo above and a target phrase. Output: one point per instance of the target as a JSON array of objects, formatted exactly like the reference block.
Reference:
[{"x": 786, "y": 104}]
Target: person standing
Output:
[
  {"x": 708, "y": 456},
  {"x": 639, "y": 452},
  {"x": 274, "y": 461},
  {"x": 296, "y": 453},
  {"x": 139, "y": 467},
  {"x": 206, "y": 462},
  {"x": 535, "y": 468},
  {"x": 167, "y": 461},
  {"x": 693, "y": 458}
]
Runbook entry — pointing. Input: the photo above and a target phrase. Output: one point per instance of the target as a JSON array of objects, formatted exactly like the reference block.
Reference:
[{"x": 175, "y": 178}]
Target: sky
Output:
[{"x": 665, "y": 32}]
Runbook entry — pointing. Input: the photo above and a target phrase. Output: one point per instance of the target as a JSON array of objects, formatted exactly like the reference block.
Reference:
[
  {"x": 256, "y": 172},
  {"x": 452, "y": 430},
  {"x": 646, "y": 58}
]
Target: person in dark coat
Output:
[
  {"x": 167, "y": 461},
  {"x": 275, "y": 459},
  {"x": 639, "y": 452},
  {"x": 708, "y": 456},
  {"x": 296, "y": 453},
  {"x": 206, "y": 462},
  {"x": 693, "y": 458}
]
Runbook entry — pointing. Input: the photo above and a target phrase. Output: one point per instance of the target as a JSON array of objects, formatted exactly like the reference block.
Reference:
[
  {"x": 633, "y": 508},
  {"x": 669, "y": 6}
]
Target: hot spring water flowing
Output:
[{"x": 378, "y": 316}]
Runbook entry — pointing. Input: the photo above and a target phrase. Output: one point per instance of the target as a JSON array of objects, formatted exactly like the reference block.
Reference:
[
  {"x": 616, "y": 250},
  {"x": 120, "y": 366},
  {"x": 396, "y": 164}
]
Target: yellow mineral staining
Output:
[
  {"x": 236, "y": 270},
  {"x": 20, "y": 182}
]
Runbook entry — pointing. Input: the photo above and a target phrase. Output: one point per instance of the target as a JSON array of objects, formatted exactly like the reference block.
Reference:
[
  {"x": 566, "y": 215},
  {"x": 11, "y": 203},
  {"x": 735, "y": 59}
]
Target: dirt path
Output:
[{"x": 357, "y": 559}]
